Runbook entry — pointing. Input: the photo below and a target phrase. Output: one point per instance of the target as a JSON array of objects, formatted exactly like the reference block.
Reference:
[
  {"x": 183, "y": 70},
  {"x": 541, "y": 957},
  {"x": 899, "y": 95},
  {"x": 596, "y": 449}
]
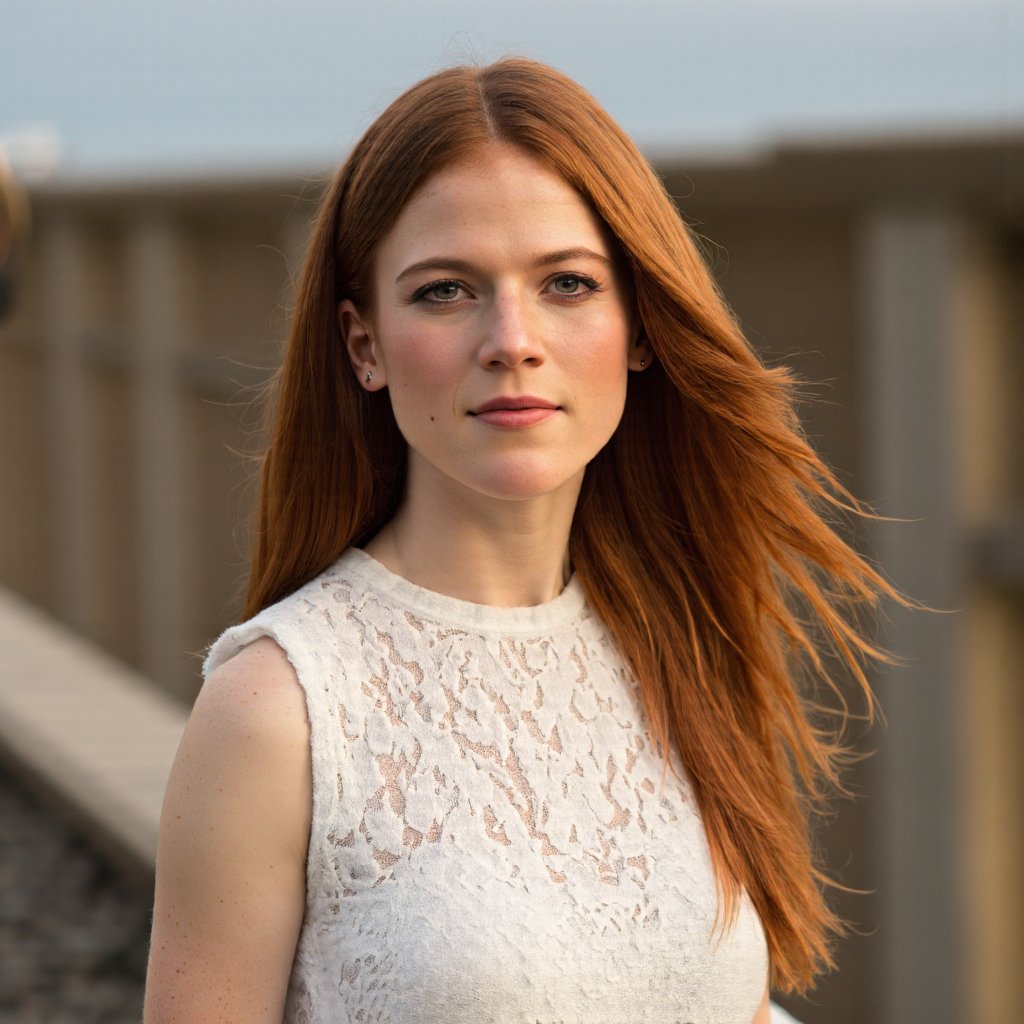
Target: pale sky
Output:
[{"x": 196, "y": 84}]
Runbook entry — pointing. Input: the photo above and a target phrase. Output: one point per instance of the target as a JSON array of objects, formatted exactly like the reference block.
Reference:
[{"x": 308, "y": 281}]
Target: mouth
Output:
[{"x": 514, "y": 403}]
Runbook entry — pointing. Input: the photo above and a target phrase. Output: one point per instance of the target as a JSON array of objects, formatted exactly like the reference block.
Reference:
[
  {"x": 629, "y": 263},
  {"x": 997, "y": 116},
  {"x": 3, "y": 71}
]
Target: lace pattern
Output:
[{"x": 492, "y": 836}]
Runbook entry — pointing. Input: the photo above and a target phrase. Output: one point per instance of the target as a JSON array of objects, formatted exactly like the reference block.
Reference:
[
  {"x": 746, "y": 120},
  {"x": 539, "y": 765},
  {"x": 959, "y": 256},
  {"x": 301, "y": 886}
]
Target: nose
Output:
[{"x": 511, "y": 333}]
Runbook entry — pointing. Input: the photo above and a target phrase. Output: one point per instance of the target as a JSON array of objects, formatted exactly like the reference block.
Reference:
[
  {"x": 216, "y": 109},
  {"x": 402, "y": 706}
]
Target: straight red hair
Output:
[{"x": 702, "y": 536}]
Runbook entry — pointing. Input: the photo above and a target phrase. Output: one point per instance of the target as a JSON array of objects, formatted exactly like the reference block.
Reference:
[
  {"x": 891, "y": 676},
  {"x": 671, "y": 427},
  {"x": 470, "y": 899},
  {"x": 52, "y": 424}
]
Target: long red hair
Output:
[{"x": 702, "y": 537}]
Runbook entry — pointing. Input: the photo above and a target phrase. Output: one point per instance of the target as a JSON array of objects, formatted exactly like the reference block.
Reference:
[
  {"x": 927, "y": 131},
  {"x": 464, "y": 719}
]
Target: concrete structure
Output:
[
  {"x": 889, "y": 272},
  {"x": 87, "y": 734}
]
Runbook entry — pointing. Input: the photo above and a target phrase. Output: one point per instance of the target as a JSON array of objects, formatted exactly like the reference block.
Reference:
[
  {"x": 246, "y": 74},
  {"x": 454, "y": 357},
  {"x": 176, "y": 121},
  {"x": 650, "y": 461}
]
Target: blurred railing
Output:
[{"x": 88, "y": 734}]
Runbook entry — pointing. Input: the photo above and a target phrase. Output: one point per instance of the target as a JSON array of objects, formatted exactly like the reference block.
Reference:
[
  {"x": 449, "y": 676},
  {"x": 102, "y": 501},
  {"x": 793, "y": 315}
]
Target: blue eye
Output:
[
  {"x": 439, "y": 292},
  {"x": 574, "y": 285},
  {"x": 571, "y": 286}
]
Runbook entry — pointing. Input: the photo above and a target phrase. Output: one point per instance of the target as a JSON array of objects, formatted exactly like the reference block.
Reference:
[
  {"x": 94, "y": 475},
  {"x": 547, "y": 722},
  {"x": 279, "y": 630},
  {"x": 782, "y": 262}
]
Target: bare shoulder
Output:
[
  {"x": 249, "y": 730},
  {"x": 256, "y": 689},
  {"x": 258, "y": 679},
  {"x": 245, "y": 750},
  {"x": 231, "y": 856}
]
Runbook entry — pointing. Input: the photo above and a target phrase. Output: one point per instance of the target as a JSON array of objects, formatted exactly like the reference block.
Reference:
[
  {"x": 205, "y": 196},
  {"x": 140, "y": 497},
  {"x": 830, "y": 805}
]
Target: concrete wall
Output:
[{"x": 144, "y": 324}]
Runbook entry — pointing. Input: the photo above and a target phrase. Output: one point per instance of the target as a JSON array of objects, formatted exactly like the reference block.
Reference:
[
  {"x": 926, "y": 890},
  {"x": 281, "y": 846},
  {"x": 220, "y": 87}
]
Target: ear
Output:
[
  {"x": 357, "y": 334},
  {"x": 640, "y": 351}
]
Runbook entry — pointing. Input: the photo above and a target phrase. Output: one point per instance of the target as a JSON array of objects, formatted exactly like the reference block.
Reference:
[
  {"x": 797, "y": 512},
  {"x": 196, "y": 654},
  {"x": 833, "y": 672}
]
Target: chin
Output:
[{"x": 523, "y": 483}]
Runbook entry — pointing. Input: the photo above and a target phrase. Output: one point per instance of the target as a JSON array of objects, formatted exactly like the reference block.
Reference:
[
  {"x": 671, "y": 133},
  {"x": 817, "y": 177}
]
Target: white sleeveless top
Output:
[{"x": 492, "y": 839}]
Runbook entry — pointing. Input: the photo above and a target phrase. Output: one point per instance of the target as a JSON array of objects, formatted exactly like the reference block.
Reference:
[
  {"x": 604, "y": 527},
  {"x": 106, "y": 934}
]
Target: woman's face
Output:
[{"x": 497, "y": 287}]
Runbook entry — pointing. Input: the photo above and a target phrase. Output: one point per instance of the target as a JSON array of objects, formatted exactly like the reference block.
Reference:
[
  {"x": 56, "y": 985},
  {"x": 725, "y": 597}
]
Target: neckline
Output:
[{"x": 484, "y": 618}]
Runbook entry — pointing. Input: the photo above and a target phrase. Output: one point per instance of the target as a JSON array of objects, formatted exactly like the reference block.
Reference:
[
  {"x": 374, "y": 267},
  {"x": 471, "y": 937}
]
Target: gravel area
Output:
[{"x": 73, "y": 933}]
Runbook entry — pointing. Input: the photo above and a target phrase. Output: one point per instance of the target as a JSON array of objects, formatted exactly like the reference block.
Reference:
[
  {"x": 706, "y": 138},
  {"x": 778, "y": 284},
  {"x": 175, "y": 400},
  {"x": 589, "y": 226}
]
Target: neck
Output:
[{"x": 493, "y": 551}]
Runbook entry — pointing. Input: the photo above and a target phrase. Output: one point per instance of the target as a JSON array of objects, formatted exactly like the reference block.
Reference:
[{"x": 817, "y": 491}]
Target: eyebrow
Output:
[{"x": 465, "y": 267}]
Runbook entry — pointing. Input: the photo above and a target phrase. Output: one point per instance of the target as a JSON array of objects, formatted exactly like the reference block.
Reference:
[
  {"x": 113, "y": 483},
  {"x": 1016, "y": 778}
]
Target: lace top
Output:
[{"x": 492, "y": 837}]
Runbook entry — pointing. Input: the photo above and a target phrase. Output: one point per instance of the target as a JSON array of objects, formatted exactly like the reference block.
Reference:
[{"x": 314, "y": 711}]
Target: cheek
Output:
[
  {"x": 422, "y": 374},
  {"x": 601, "y": 365},
  {"x": 601, "y": 373}
]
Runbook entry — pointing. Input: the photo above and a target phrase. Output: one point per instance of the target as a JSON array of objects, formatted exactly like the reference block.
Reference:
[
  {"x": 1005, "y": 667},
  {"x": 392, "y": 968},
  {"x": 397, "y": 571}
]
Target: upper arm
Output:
[
  {"x": 231, "y": 857},
  {"x": 764, "y": 1010}
]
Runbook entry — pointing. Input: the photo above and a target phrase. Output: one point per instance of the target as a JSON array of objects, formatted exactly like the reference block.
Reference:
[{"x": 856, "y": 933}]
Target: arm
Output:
[
  {"x": 764, "y": 1011},
  {"x": 231, "y": 857}
]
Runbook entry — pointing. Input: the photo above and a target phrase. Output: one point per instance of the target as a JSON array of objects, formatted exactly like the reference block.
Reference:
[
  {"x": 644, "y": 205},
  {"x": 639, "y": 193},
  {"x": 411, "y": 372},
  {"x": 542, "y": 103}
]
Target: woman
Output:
[{"x": 513, "y": 730}]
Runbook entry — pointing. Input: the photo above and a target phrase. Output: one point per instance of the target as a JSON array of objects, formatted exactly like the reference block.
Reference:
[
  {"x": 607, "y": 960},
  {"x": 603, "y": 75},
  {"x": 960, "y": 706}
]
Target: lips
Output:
[{"x": 514, "y": 402}]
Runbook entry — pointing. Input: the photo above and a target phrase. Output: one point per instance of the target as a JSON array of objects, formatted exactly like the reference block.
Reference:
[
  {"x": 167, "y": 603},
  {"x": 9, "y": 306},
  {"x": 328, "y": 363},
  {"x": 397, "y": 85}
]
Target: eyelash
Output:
[{"x": 591, "y": 286}]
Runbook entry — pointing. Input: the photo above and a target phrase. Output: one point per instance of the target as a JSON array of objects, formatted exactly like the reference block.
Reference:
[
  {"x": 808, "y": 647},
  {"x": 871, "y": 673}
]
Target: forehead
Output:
[{"x": 500, "y": 200}]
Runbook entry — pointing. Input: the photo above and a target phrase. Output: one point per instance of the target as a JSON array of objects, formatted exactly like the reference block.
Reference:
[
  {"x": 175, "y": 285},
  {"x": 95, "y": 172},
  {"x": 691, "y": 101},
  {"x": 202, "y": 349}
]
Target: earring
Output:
[
  {"x": 369, "y": 374},
  {"x": 643, "y": 363}
]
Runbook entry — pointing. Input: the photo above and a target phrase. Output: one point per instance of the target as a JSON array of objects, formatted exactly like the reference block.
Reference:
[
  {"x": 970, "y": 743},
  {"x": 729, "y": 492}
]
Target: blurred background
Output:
[{"x": 855, "y": 170}]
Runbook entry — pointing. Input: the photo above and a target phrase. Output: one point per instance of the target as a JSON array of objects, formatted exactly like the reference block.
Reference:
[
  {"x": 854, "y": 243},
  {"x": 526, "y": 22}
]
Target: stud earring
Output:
[
  {"x": 643, "y": 363},
  {"x": 369, "y": 374}
]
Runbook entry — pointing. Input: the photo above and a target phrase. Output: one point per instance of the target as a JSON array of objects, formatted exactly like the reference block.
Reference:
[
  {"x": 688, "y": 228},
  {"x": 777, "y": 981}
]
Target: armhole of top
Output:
[{"x": 323, "y": 757}]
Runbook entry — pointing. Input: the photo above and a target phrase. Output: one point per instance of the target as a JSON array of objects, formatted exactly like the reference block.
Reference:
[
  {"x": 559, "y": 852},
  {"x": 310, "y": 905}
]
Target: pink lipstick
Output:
[{"x": 515, "y": 411}]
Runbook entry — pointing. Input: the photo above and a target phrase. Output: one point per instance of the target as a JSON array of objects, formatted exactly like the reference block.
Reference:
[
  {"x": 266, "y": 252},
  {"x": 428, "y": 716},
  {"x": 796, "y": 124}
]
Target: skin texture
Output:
[{"x": 230, "y": 886}]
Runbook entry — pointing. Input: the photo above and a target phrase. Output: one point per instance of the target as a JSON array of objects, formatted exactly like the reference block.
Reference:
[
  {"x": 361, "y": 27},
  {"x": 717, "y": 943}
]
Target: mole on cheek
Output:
[{"x": 431, "y": 419}]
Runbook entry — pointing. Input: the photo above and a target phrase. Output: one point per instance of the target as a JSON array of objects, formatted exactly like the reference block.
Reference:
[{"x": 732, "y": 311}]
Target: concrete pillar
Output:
[
  {"x": 992, "y": 496},
  {"x": 160, "y": 313},
  {"x": 911, "y": 262},
  {"x": 295, "y": 234},
  {"x": 65, "y": 286}
]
